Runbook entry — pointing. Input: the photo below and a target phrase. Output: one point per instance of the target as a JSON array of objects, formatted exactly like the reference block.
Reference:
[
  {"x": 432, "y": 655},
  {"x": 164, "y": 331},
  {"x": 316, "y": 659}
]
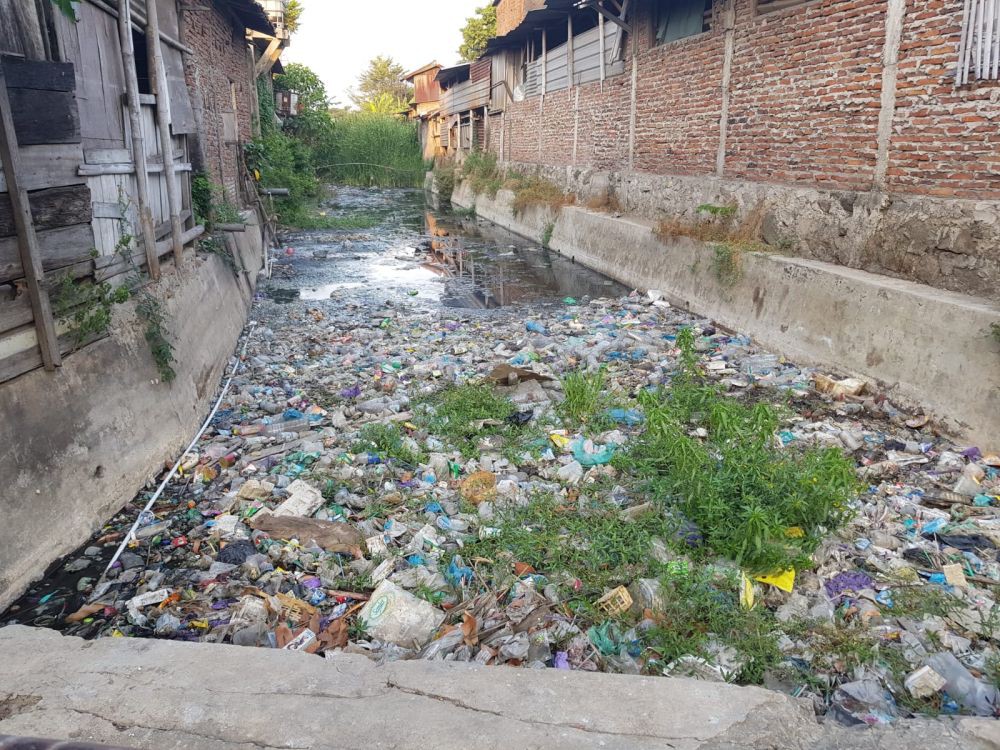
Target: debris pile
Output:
[{"x": 406, "y": 481}]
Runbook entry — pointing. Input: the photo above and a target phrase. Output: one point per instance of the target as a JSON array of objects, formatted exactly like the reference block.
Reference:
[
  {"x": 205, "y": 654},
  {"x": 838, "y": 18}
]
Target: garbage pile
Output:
[{"x": 348, "y": 491}]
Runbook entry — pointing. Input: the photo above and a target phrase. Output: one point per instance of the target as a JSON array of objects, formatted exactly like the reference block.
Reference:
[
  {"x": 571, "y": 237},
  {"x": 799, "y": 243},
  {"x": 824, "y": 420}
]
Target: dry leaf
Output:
[
  {"x": 470, "y": 629},
  {"x": 84, "y": 612}
]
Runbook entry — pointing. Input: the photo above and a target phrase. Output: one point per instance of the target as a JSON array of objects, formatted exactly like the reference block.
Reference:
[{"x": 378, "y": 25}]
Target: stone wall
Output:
[
  {"x": 892, "y": 170},
  {"x": 217, "y": 74}
]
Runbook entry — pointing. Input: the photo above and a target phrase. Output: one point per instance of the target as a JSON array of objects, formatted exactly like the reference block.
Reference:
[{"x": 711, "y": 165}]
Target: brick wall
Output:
[
  {"x": 806, "y": 85},
  {"x": 511, "y": 12},
  {"x": 218, "y": 69},
  {"x": 805, "y": 98},
  {"x": 945, "y": 141}
]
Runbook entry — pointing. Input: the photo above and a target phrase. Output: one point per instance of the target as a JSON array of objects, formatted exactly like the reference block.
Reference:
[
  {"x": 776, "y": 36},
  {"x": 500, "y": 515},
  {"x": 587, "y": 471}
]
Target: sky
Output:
[{"x": 337, "y": 38}]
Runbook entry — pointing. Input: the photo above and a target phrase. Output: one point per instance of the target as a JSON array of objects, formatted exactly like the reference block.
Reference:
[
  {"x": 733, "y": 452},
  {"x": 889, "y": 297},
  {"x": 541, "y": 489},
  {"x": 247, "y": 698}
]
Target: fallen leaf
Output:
[{"x": 470, "y": 629}]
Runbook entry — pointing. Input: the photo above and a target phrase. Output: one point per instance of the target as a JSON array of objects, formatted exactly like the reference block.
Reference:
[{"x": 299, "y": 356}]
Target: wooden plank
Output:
[
  {"x": 29, "y": 251},
  {"x": 52, "y": 208},
  {"x": 103, "y": 210},
  {"x": 48, "y": 166},
  {"x": 14, "y": 313},
  {"x": 30, "y": 359},
  {"x": 107, "y": 156},
  {"x": 57, "y": 248},
  {"x": 39, "y": 75},
  {"x": 45, "y": 116}
]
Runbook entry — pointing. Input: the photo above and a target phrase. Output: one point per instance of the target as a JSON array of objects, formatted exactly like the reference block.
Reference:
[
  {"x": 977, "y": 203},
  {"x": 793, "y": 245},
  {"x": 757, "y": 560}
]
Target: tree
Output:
[
  {"x": 382, "y": 78},
  {"x": 298, "y": 79},
  {"x": 479, "y": 29},
  {"x": 293, "y": 15}
]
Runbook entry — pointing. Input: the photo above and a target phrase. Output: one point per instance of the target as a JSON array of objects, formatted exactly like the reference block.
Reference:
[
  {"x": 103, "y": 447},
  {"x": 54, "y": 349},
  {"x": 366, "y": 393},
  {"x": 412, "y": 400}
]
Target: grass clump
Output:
[
  {"x": 702, "y": 609},
  {"x": 386, "y": 440},
  {"x": 536, "y": 191},
  {"x": 585, "y": 395},
  {"x": 592, "y": 544},
  {"x": 727, "y": 264},
  {"x": 154, "y": 319},
  {"x": 759, "y": 505},
  {"x": 444, "y": 181},
  {"x": 480, "y": 169},
  {"x": 365, "y": 148},
  {"x": 547, "y": 234},
  {"x": 464, "y": 413},
  {"x": 995, "y": 331},
  {"x": 309, "y": 216}
]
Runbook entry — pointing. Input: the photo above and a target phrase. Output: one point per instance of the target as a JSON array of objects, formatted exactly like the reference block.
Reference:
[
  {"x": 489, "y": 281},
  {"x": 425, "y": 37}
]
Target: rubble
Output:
[{"x": 340, "y": 501}]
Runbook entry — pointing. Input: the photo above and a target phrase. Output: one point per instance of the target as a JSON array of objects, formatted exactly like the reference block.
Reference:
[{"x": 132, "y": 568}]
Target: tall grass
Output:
[{"x": 373, "y": 149}]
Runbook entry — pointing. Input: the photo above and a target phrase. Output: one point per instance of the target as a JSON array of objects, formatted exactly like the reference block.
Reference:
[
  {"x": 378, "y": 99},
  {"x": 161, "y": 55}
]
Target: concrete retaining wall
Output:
[
  {"x": 78, "y": 443},
  {"x": 948, "y": 243},
  {"x": 924, "y": 345}
]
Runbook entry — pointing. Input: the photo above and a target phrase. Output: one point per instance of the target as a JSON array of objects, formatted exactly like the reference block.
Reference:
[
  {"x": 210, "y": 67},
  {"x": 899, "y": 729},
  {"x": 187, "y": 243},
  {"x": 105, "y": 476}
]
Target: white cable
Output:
[{"x": 159, "y": 490}]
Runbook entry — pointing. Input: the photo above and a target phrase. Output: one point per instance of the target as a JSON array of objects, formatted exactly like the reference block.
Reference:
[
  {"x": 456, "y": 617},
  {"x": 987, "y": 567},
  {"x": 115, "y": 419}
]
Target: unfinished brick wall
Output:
[
  {"x": 216, "y": 73},
  {"x": 945, "y": 141}
]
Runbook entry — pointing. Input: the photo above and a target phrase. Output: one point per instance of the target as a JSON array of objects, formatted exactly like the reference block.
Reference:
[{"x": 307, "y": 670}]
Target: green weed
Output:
[
  {"x": 547, "y": 234},
  {"x": 386, "y": 440},
  {"x": 995, "y": 331},
  {"x": 761, "y": 506},
  {"x": 713, "y": 210},
  {"x": 584, "y": 395},
  {"x": 151, "y": 313},
  {"x": 480, "y": 169},
  {"x": 457, "y": 413},
  {"x": 593, "y": 544},
  {"x": 86, "y": 306},
  {"x": 727, "y": 264},
  {"x": 444, "y": 180},
  {"x": 702, "y": 607}
]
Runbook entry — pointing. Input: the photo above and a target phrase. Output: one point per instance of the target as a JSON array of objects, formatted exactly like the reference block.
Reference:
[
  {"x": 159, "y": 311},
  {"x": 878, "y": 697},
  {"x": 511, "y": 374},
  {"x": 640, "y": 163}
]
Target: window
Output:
[
  {"x": 979, "y": 51},
  {"x": 141, "y": 62},
  {"x": 772, "y": 6},
  {"x": 681, "y": 18}
]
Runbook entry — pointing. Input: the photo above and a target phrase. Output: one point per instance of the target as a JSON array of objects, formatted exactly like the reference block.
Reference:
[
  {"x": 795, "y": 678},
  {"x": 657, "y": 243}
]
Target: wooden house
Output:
[{"x": 97, "y": 139}]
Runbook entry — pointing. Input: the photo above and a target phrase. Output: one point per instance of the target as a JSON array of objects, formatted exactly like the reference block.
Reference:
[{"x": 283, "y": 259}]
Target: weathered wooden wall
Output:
[{"x": 76, "y": 160}]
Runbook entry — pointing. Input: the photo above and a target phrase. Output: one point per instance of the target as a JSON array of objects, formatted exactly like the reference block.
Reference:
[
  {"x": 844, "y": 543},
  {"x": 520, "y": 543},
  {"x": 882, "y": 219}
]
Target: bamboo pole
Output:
[
  {"x": 159, "y": 80},
  {"x": 27, "y": 241},
  {"x": 138, "y": 141}
]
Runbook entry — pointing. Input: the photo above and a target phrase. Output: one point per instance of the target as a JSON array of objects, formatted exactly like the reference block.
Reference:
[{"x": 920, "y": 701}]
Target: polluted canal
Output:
[{"x": 445, "y": 442}]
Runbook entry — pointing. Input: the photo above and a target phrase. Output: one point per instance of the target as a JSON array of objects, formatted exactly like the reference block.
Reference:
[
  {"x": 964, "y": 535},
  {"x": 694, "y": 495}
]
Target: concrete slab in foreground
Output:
[{"x": 166, "y": 695}]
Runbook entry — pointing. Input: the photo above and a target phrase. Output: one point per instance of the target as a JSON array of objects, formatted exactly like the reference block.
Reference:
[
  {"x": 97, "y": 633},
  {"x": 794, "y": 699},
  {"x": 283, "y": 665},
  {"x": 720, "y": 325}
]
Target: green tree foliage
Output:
[
  {"x": 479, "y": 29},
  {"x": 67, "y": 7},
  {"x": 298, "y": 79},
  {"x": 382, "y": 81},
  {"x": 293, "y": 16}
]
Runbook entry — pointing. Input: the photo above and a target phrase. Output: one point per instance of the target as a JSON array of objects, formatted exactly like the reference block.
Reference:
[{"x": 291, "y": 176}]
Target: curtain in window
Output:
[{"x": 678, "y": 19}]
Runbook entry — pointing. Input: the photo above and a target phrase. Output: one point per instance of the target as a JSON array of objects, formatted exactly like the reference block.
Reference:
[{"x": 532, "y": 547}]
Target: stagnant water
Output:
[{"x": 416, "y": 253}]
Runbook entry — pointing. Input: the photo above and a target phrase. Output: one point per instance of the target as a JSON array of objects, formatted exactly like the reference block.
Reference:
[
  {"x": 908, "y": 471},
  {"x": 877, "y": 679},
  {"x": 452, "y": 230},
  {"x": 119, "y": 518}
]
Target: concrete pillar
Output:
[{"x": 890, "y": 69}]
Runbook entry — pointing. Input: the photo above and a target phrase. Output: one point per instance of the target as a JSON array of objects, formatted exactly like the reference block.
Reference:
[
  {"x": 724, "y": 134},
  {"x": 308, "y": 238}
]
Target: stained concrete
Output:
[
  {"x": 166, "y": 695},
  {"x": 946, "y": 243},
  {"x": 926, "y": 346},
  {"x": 78, "y": 443}
]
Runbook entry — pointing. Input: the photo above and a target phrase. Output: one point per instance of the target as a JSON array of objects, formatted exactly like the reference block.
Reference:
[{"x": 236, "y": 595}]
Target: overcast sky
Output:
[{"x": 337, "y": 38}]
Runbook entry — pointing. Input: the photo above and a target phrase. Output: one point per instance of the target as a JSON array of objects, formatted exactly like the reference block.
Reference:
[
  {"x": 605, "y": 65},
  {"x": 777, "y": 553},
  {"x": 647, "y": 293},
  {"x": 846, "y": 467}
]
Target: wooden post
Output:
[
  {"x": 163, "y": 119},
  {"x": 545, "y": 65},
  {"x": 138, "y": 141},
  {"x": 603, "y": 52},
  {"x": 569, "y": 49},
  {"x": 27, "y": 241}
]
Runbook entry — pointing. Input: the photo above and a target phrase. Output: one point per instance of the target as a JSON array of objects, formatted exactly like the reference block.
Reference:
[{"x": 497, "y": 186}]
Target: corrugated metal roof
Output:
[
  {"x": 453, "y": 74},
  {"x": 533, "y": 22}
]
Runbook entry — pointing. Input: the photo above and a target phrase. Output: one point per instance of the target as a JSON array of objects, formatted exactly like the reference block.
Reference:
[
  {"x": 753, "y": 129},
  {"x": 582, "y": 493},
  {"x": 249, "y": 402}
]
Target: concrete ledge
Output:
[
  {"x": 163, "y": 694},
  {"x": 78, "y": 443},
  {"x": 925, "y": 345}
]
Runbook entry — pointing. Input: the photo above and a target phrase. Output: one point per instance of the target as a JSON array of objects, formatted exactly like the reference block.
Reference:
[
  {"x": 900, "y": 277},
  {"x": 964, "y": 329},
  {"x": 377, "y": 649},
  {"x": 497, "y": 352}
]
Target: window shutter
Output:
[{"x": 979, "y": 50}]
